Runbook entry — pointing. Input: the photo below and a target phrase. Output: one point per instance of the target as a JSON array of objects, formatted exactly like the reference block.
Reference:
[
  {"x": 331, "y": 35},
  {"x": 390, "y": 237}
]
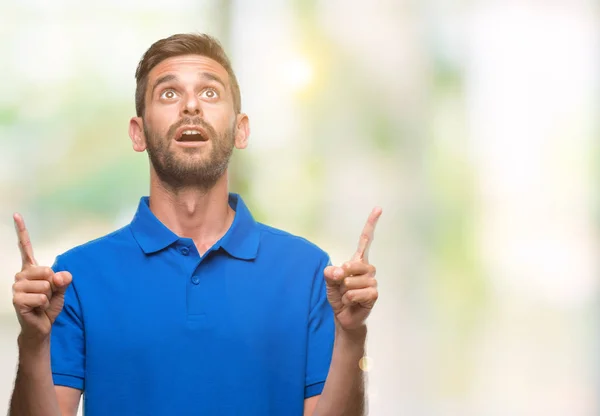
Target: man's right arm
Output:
[
  {"x": 38, "y": 298},
  {"x": 35, "y": 393}
]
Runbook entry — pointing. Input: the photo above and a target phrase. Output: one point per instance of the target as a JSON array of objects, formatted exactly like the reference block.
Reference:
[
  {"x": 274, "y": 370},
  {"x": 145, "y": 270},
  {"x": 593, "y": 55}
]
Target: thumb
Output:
[
  {"x": 333, "y": 275},
  {"x": 62, "y": 280}
]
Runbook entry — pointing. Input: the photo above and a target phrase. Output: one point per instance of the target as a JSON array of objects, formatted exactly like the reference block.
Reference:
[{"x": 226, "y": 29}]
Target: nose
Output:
[{"x": 191, "y": 105}]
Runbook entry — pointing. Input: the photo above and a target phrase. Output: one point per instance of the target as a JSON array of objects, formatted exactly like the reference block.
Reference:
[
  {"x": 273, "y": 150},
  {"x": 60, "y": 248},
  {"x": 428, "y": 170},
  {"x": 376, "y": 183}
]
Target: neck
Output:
[{"x": 204, "y": 215}]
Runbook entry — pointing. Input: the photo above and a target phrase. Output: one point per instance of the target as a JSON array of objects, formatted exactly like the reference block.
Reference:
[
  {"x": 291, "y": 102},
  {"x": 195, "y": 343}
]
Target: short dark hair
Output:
[{"x": 177, "y": 45}]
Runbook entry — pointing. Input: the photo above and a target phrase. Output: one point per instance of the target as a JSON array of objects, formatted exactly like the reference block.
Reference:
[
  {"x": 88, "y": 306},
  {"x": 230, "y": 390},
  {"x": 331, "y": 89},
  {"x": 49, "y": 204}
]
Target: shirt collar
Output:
[
  {"x": 151, "y": 234},
  {"x": 240, "y": 241},
  {"x": 243, "y": 237}
]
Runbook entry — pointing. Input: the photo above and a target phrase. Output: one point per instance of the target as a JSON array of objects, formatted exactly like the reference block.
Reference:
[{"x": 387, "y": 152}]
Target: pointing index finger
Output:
[
  {"x": 367, "y": 235},
  {"x": 25, "y": 246}
]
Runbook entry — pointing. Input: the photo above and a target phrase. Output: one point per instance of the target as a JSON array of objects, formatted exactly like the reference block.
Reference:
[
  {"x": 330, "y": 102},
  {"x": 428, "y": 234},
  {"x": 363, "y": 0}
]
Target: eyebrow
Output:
[
  {"x": 212, "y": 77},
  {"x": 170, "y": 77},
  {"x": 162, "y": 80}
]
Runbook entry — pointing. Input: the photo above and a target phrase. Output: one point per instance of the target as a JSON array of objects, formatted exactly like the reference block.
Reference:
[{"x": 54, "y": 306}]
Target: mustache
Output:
[{"x": 192, "y": 121}]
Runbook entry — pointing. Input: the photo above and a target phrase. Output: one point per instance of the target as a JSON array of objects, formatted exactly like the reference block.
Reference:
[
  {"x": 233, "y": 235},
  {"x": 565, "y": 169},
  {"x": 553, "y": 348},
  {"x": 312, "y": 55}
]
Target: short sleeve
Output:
[
  {"x": 67, "y": 340},
  {"x": 320, "y": 334}
]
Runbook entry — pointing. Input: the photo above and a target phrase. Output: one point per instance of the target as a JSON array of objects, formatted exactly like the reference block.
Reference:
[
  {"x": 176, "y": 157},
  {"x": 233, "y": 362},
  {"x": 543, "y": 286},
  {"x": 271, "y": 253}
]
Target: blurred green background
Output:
[{"x": 472, "y": 123}]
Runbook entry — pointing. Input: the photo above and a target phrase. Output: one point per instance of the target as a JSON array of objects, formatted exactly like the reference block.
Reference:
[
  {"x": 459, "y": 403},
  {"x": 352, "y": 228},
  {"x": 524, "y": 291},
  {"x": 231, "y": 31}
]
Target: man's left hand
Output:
[{"x": 352, "y": 288}]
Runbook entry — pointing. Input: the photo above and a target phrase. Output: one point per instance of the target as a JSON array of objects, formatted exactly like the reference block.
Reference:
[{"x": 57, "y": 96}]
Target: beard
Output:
[{"x": 196, "y": 167}]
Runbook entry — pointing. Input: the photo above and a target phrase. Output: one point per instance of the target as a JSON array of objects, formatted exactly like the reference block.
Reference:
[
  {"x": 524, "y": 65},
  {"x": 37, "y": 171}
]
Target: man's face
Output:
[{"x": 189, "y": 124}]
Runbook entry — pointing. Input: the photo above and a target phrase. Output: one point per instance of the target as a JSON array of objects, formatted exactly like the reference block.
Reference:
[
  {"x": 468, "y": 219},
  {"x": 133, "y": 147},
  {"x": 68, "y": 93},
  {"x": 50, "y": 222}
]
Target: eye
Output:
[
  {"x": 210, "y": 93},
  {"x": 168, "y": 94}
]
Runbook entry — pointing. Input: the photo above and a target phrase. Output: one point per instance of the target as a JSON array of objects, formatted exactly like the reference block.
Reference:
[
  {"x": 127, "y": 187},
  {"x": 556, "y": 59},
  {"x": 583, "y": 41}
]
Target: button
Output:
[
  {"x": 185, "y": 251},
  {"x": 195, "y": 280}
]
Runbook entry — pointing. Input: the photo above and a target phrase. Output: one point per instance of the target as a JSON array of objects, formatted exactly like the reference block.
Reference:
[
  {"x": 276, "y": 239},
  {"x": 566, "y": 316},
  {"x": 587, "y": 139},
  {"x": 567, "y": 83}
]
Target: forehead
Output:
[{"x": 186, "y": 66}]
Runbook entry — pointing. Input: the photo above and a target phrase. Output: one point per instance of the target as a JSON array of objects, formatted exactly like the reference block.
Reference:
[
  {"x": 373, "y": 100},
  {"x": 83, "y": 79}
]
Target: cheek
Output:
[
  {"x": 157, "y": 123},
  {"x": 220, "y": 116}
]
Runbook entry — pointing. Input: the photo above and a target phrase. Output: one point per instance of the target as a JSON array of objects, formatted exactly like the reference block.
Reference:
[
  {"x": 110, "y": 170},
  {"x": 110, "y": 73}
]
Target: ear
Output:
[
  {"x": 242, "y": 131},
  {"x": 136, "y": 133}
]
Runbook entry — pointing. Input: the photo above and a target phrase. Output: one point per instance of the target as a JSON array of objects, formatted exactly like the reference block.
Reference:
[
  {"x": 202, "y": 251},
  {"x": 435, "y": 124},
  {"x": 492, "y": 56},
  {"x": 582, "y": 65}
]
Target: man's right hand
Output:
[{"x": 38, "y": 292}]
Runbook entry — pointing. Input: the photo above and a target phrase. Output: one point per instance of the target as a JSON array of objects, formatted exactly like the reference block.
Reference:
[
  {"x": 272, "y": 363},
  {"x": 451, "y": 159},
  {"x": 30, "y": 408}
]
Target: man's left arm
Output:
[{"x": 352, "y": 293}]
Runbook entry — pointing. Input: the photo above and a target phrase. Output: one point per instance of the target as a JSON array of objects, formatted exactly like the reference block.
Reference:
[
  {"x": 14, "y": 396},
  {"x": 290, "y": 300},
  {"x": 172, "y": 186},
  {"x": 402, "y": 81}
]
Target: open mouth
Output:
[{"x": 191, "y": 135}]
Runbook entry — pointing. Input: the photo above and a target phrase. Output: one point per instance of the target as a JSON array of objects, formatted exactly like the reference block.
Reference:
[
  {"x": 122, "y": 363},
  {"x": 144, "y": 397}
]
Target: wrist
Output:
[
  {"x": 356, "y": 337},
  {"x": 34, "y": 355},
  {"x": 33, "y": 344}
]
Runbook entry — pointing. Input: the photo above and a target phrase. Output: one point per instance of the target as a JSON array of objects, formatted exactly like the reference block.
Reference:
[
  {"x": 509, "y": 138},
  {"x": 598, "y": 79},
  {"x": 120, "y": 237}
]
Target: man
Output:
[{"x": 193, "y": 308}]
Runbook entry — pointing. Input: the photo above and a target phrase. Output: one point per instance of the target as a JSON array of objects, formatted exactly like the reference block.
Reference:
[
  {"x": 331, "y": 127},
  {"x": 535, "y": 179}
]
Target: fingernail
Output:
[
  {"x": 338, "y": 273},
  {"x": 58, "y": 279}
]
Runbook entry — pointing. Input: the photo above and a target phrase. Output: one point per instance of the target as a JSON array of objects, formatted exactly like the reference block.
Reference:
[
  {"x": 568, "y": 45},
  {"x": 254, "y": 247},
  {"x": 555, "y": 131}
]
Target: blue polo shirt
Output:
[{"x": 150, "y": 327}]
